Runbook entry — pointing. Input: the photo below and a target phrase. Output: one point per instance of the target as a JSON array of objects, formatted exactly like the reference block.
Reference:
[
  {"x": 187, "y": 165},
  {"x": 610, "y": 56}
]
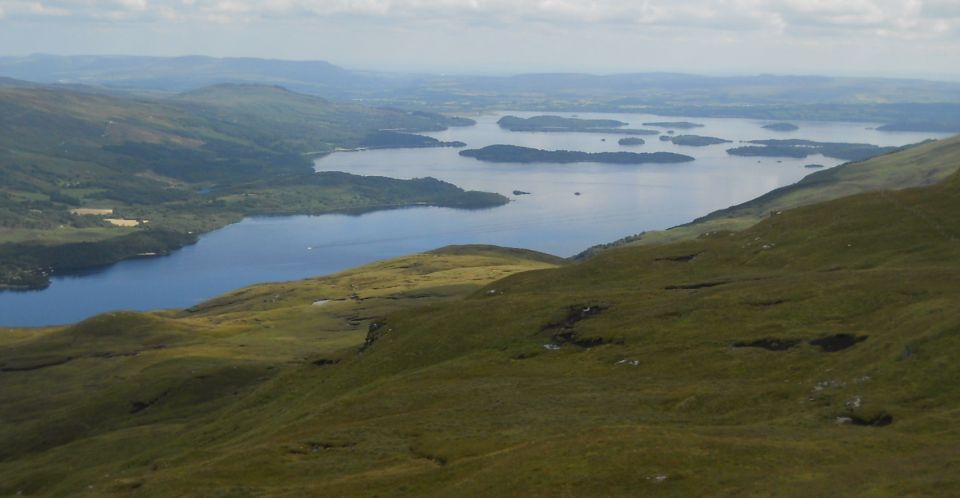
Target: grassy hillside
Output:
[
  {"x": 809, "y": 355},
  {"x": 143, "y": 375},
  {"x": 70, "y": 162},
  {"x": 916, "y": 166}
]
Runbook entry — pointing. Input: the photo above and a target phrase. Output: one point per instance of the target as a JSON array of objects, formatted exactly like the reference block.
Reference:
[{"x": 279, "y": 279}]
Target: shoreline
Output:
[{"x": 44, "y": 278}]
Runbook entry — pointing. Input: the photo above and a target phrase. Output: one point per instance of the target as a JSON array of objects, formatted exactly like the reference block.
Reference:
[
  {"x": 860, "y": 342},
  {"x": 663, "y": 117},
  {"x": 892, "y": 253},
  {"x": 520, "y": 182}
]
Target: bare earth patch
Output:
[{"x": 120, "y": 222}]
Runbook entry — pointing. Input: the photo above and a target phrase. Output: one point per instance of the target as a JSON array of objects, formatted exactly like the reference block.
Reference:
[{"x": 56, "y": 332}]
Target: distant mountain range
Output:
[
  {"x": 175, "y": 74},
  {"x": 898, "y": 104}
]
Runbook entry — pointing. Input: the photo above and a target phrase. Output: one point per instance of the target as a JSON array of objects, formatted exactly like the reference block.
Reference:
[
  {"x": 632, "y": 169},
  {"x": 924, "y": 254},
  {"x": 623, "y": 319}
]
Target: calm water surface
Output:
[{"x": 614, "y": 201}]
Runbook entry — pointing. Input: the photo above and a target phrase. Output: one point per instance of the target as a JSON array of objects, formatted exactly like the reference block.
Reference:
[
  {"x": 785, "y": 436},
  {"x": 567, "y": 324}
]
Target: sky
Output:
[{"x": 912, "y": 38}]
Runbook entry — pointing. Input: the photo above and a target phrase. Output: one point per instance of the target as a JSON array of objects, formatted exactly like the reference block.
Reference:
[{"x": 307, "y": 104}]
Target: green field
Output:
[{"x": 811, "y": 354}]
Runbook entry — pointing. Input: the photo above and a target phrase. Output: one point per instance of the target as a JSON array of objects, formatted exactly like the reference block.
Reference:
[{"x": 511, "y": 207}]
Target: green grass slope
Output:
[
  {"x": 812, "y": 354},
  {"x": 144, "y": 376},
  {"x": 914, "y": 166}
]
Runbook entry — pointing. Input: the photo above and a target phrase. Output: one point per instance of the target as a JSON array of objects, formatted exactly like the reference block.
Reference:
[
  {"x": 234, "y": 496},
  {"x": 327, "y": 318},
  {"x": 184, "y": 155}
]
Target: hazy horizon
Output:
[
  {"x": 945, "y": 77},
  {"x": 860, "y": 38}
]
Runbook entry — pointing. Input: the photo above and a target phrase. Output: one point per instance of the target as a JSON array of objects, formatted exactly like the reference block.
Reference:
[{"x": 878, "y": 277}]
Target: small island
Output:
[
  {"x": 799, "y": 149},
  {"x": 781, "y": 127},
  {"x": 813, "y": 166},
  {"x": 396, "y": 140},
  {"x": 561, "y": 124},
  {"x": 520, "y": 192},
  {"x": 631, "y": 141},
  {"x": 517, "y": 154},
  {"x": 694, "y": 140},
  {"x": 682, "y": 125}
]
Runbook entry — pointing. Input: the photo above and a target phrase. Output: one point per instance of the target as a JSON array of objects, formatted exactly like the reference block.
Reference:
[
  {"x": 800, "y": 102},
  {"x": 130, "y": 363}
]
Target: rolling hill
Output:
[
  {"x": 898, "y": 104},
  {"x": 71, "y": 161}
]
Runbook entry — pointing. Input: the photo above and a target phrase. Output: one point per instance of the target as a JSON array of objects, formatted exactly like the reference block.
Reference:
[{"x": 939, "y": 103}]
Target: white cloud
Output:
[{"x": 910, "y": 18}]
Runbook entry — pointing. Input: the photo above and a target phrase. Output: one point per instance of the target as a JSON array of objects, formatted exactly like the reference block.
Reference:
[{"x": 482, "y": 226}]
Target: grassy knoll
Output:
[
  {"x": 140, "y": 376},
  {"x": 185, "y": 164},
  {"x": 915, "y": 166},
  {"x": 811, "y": 354}
]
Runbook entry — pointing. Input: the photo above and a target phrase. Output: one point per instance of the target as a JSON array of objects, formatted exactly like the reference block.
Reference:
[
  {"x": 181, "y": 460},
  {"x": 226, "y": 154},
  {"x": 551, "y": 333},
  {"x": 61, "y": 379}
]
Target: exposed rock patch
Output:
[
  {"x": 685, "y": 258},
  {"x": 769, "y": 344},
  {"x": 837, "y": 342},
  {"x": 139, "y": 406},
  {"x": 375, "y": 331},
  {"x": 828, "y": 344},
  {"x": 563, "y": 332},
  {"x": 701, "y": 285},
  {"x": 879, "y": 420}
]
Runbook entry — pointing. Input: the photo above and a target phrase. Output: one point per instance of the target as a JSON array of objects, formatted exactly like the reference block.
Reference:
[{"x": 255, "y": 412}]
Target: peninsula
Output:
[
  {"x": 799, "y": 149},
  {"x": 396, "y": 140}
]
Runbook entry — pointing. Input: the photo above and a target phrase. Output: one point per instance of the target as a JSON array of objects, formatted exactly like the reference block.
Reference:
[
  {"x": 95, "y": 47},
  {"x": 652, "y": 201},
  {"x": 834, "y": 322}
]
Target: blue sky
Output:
[{"x": 850, "y": 37}]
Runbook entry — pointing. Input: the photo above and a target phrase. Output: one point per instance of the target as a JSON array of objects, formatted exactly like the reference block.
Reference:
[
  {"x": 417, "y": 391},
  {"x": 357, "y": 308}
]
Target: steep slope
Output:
[
  {"x": 811, "y": 354},
  {"x": 915, "y": 166}
]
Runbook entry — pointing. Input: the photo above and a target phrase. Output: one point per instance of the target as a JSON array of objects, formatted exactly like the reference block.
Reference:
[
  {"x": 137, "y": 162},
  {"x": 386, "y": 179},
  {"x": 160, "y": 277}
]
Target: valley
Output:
[{"x": 470, "y": 369}]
